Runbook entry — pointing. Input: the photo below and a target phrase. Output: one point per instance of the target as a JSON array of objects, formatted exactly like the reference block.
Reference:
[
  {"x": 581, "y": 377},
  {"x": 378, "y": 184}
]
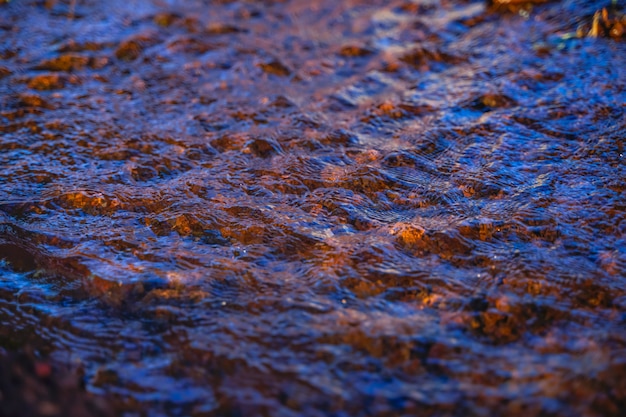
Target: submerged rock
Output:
[{"x": 32, "y": 386}]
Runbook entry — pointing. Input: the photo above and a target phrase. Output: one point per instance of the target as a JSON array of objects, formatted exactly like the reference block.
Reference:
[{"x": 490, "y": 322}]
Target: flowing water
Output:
[{"x": 319, "y": 208}]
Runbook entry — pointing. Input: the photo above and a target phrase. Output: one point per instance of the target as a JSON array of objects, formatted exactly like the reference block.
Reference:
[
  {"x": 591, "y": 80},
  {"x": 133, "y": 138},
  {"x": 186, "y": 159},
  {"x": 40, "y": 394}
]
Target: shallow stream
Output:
[{"x": 317, "y": 208}]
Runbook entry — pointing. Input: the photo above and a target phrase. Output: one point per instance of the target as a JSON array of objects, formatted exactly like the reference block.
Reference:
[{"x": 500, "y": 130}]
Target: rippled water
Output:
[{"x": 317, "y": 208}]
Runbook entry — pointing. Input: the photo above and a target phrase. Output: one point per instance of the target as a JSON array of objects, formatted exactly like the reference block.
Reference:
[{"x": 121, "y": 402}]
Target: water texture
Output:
[{"x": 329, "y": 208}]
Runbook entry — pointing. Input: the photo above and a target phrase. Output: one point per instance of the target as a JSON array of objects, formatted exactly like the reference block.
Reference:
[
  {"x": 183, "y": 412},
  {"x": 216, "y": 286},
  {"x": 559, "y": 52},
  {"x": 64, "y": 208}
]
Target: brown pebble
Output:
[
  {"x": 4, "y": 72},
  {"x": 45, "y": 82},
  {"x": 354, "y": 51},
  {"x": 65, "y": 63},
  {"x": 34, "y": 100},
  {"x": 276, "y": 67}
]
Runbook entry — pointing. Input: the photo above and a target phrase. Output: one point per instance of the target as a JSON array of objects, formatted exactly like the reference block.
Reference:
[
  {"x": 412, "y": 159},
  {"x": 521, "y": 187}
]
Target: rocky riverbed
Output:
[{"x": 329, "y": 208}]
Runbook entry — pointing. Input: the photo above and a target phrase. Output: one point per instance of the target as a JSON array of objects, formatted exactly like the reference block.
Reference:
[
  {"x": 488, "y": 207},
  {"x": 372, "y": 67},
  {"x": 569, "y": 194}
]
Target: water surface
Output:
[{"x": 330, "y": 208}]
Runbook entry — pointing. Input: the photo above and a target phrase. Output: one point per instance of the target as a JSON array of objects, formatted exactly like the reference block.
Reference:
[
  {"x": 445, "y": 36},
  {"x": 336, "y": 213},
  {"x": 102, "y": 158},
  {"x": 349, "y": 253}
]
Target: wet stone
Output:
[
  {"x": 130, "y": 49},
  {"x": 166, "y": 19},
  {"x": 355, "y": 51},
  {"x": 45, "y": 82},
  {"x": 34, "y": 100},
  {"x": 223, "y": 29},
  {"x": 490, "y": 102},
  {"x": 263, "y": 148},
  {"x": 64, "y": 63},
  {"x": 32, "y": 386},
  {"x": 4, "y": 72},
  {"x": 275, "y": 67},
  {"x": 213, "y": 237},
  {"x": 424, "y": 57},
  {"x": 229, "y": 142},
  {"x": 19, "y": 258}
]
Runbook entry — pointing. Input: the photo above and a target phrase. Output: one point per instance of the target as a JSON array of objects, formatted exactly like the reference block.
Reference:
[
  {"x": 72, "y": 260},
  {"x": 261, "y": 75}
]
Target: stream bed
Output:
[{"x": 318, "y": 208}]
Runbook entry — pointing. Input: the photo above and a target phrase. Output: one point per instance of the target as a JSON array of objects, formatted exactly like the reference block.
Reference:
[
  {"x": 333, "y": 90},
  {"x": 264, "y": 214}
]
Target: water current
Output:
[{"x": 318, "y": 208}]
